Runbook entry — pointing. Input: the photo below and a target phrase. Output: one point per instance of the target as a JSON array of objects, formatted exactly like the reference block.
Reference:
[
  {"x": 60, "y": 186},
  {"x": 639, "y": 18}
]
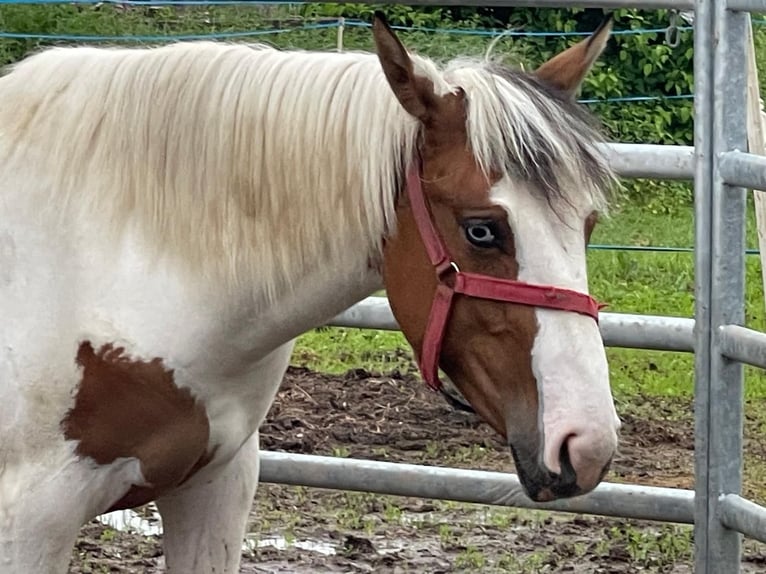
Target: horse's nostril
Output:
[
  {"x": 565, "y": 483},
  {"x": 578, "y": 453},
  {"x": 567, "y": 473},
  {"x": 542, "y": 484}
]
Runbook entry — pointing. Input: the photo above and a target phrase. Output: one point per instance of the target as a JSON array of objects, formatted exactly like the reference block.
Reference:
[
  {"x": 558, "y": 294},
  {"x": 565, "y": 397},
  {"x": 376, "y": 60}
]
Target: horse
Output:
[{"x": 172, "y": 217}]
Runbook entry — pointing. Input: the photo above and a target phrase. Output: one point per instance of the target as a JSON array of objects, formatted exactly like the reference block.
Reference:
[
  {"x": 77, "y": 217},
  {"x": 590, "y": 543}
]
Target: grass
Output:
[{"x": 475, "y": 537}]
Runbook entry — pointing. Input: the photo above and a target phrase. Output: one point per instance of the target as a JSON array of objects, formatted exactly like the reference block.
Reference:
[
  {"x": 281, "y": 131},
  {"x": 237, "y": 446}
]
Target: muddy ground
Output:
[{"x": 395, "y": 418}]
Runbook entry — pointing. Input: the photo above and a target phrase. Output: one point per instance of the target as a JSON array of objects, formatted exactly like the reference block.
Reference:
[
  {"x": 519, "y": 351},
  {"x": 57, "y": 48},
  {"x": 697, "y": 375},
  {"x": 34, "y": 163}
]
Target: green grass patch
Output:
[{"x": 336, "y": 350}]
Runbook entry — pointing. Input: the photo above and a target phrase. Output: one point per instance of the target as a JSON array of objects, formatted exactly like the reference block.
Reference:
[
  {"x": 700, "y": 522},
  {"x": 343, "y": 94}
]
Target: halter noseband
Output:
[{"x": 473, "y": 285}]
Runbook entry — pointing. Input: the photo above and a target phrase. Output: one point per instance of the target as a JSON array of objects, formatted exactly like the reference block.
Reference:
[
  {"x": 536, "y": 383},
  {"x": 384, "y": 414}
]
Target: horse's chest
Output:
[
  {"x": 157, "y": 368},
  {"x": 174, "y": 417},
  {"x": 129, "y": 408}
]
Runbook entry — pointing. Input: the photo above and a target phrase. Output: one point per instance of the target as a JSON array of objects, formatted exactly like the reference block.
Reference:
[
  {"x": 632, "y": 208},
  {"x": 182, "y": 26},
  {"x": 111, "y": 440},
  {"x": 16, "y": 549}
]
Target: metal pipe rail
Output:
[
  {"x": 618, "y": 329},
  {"x": 740, "y": 169},
  {"x": 648, "y": 332},
  {"x": 652, "y": 161},
  {"x": 474, "y": 486},
  {"x": 740, "y": 514},
  {"x": 743, "y": 345},
  {"x": 747, "y": 5}
]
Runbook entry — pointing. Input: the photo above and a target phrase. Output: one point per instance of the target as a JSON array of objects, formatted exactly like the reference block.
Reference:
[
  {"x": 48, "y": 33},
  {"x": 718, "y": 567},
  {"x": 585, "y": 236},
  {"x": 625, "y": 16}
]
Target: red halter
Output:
[{"x": 473, "y": 285}]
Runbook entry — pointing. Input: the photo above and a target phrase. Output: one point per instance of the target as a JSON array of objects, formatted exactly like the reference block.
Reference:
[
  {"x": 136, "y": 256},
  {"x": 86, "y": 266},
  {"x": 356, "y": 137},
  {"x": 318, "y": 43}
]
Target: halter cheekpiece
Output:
[{"x": 473, "y": 285}]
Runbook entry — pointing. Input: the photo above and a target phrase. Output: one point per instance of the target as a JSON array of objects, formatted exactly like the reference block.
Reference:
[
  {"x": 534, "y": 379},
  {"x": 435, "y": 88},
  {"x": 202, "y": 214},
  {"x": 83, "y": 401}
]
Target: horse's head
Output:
[{"x": 499, "y": 208}]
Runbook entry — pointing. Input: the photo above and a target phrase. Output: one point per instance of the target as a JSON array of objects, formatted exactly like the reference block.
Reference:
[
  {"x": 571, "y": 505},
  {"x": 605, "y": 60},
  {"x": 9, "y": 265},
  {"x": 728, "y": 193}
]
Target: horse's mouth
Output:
[{"x": 542, "y": 485}]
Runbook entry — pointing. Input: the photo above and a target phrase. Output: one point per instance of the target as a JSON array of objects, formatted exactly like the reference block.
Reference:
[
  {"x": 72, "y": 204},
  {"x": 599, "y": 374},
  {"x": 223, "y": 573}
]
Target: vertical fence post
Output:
[
  {"x": 720, "y": 125},
  {"x": 703, "y": 176},
  {"x": 341, "y": 29}
]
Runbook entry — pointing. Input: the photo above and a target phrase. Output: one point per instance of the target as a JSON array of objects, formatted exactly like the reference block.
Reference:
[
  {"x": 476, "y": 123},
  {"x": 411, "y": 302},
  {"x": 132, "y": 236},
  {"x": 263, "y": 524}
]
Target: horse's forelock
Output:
[{"x": 521, "y": 128}]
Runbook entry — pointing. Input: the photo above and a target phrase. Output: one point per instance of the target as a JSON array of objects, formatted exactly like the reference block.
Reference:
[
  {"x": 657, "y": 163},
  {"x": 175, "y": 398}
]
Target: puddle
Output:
[
  {"x": 130, "y": 521},
  {"x": 281, "y": 543},
  {"x": 385, "y": 546},
  {"x": 150, "y": 524},
  {"x": 514, "y": 519},
  {"x": 437, "y": 517}
]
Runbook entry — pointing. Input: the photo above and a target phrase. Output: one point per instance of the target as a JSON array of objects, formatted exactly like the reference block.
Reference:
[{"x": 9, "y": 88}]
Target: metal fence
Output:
[{"x": 722, "y": 171}]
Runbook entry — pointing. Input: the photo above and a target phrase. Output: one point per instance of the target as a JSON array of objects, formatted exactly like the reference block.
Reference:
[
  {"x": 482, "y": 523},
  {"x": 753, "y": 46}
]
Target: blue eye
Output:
[{"x": 481, "y": 234}]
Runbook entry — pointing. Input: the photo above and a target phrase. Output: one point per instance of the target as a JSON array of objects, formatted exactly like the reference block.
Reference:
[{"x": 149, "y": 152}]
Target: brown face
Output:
[
  {"x": 486, "y": 342},
  {"x": 488, "y": 346},
  {"x": 480, "y": 240}
]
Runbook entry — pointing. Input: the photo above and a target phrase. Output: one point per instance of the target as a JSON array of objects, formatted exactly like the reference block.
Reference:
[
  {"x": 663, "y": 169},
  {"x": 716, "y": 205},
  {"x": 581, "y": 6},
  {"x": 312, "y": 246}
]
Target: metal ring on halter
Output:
[
  {"x": 446, "y": 268},
  {"x": 672, "y": 33}
]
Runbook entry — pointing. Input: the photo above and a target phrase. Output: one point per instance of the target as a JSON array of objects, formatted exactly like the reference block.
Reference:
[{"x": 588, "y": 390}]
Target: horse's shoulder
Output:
[{"x": 131, "y": 407}]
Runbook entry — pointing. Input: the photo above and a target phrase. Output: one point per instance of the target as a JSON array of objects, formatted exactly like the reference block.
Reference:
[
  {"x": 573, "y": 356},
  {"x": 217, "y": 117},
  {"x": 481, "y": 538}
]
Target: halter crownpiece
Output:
[{"x": 473, "y": 285}]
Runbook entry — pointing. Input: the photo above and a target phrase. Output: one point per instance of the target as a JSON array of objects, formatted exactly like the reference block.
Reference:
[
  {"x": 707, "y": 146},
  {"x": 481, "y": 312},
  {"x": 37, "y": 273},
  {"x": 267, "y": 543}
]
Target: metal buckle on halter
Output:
[{"x": 447, "y": 266}]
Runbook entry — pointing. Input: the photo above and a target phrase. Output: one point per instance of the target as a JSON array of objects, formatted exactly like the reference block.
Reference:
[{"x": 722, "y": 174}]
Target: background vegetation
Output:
[{"x": 643, "y": 65}]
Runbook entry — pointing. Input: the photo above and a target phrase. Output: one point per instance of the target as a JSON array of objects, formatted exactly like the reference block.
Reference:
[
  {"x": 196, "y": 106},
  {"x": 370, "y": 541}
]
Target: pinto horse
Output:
[{"x": 171, "y": 218}]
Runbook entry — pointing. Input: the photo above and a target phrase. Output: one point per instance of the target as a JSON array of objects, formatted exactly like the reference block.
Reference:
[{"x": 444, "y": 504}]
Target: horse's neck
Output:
[
  {"x": 224, "y": 331},
  {"x": 318, "y": 297},
  {"x": 161, "y": 308}
]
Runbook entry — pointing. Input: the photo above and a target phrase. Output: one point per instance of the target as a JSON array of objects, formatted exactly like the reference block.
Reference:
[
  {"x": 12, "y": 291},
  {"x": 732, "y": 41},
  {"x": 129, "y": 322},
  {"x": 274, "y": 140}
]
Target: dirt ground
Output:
[{"x": 395, "y": 418}]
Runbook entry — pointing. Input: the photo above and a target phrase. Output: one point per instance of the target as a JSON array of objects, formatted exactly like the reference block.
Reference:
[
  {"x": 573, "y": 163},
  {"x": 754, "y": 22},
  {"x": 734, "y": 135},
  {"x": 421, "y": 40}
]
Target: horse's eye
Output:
[{"x": 481, "y": 233}]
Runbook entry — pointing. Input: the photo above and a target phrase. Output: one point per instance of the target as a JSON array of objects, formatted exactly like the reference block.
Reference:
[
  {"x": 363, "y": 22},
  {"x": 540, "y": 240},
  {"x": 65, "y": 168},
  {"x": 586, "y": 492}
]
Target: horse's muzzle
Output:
[{"x": 542, "y": 485}]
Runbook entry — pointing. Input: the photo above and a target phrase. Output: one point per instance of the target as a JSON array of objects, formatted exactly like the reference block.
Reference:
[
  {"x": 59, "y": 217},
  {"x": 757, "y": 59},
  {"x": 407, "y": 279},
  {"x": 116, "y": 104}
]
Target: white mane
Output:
[{"x": 244, "y": 159}]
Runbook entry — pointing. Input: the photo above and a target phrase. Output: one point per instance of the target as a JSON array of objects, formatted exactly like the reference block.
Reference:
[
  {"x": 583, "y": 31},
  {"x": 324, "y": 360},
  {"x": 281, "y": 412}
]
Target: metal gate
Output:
[{"x": 722, "y": 172}]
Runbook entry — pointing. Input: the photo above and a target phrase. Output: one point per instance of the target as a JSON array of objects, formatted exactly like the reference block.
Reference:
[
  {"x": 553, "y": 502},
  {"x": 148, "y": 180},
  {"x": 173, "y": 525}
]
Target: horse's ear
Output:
[
  {"x": 399, "y": 71},
  {"x": 567, "y": 70}
]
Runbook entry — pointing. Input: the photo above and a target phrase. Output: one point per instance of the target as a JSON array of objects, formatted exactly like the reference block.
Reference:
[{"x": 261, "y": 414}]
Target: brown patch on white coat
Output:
[{"x": 128, "y": 408}]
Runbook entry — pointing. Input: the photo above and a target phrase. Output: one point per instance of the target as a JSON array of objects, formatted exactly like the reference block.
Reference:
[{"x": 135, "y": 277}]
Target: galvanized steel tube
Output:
[
  {"x": 647, "y": 332},
  {"x": 723, "y": 423},
  {"x": 743, "y": 344},
  {"x": 743, "y": 169},
  {"x": 652, "y": 161},
  {"x": 481, "y": 487},
  {"x": 742, "y": 515},
  {"x": 747, "y": 5},
  {"x": 617, "y": 329},
  {"x": 704, "y": 99},
  {"x": 370, "y": 313}
]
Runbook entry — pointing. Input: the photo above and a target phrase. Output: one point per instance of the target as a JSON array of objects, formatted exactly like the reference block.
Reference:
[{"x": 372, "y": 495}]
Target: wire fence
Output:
[
  {"x": 336, "y": 24},
  {"x": 163, "y": 37}
]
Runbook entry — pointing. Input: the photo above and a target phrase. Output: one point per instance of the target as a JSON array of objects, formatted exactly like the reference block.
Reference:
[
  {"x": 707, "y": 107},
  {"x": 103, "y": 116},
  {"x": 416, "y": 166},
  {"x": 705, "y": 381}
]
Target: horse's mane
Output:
[{"x": 217, "y": 150}]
